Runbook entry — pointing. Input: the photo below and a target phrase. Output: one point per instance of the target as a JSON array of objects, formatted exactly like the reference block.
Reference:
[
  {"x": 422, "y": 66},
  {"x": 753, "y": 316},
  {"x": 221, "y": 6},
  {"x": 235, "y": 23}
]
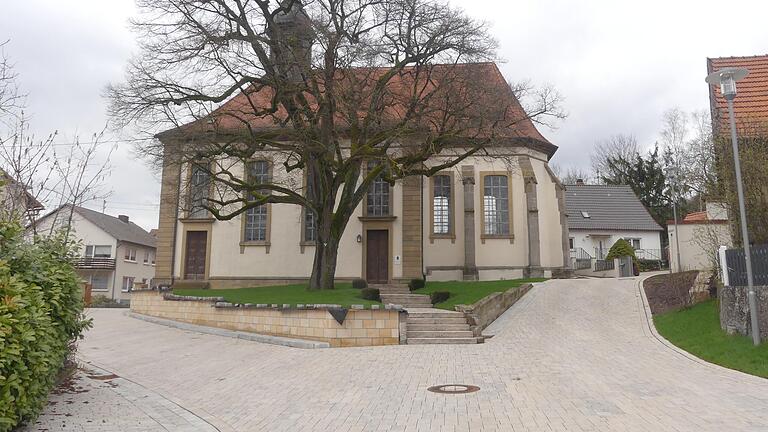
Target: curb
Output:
[
  {"x": 647, "y": 319},
  {"x": 254, "y": 337}
]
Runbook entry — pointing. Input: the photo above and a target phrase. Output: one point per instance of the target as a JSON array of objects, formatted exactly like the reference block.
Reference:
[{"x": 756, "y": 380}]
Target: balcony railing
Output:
[{"x": 87, "y": 263}]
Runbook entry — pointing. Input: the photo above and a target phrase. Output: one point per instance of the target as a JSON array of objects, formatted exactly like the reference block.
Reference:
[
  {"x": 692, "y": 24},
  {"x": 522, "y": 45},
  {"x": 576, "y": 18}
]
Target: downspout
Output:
[
  {"x": 175, "y": 229},
  {"x": 421, "y": 213},
  {"x": 114, "y": 272}
]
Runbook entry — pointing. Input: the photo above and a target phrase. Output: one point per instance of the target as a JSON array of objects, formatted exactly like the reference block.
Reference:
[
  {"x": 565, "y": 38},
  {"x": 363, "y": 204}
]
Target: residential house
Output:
[
  {"x": 750, "y": 108},
  {"x": 700, "y": 234},
  {"x": 16, "y": 201},
  {"x": 116, "y": 254},
  {"x": 599, "y": 215}
]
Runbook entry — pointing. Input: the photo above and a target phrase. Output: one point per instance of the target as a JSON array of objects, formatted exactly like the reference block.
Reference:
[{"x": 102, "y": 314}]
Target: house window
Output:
[
  {"x": 152, "y": 257},
  {"x": 570, "y": 243},
  {"x": 256, "y": 218},
  {"x": 199, "y": 186},
  {"x": 378, "y": 196},
  {"x": 495, "y": 205},
  {"x": 130, "y": 254},
  {"x": 98, "y": 251},
  {"x": 441, "y": 204},
  {"x": 635, "y": 242},
  {"x": 127, "y": 283},
  {"x": 99, "y": 282},
  {"x": 310, "y": 217},
  {"x": 146, "y": 257}
]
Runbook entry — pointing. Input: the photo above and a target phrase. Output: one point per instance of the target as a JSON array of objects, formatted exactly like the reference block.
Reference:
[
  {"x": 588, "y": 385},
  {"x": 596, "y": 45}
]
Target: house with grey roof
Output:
[
  {"x": 116, "y": 254},
  {"x": 598, "y": 215}
]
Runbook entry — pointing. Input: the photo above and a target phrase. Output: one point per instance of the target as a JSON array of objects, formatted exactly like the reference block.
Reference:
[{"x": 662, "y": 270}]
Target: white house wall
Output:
[
  {"x": 588, "y": 239},
  {"x": 698, "y": 245}
]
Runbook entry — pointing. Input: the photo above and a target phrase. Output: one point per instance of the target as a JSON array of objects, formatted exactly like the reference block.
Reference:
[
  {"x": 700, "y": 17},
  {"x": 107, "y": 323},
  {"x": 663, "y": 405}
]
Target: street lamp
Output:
[
  {"x": 671, "y": 174},
  {"x": 727, "y": 78}
]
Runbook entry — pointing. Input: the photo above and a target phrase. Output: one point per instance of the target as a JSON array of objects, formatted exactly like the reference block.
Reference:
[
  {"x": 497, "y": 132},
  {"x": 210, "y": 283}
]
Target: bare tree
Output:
[
  {"x": 346, "y": 92},
  {"x": 11, "y": 98},
  {"x": 617, "y": 147},
  {"x": 37, "y": 172},
  {"x": 687, "y": 139},
  {"x": 571, "y": 175}
]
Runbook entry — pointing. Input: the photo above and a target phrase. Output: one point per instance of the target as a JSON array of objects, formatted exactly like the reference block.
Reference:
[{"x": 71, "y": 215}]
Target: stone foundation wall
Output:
[
  {"x": 481, "y": 314},
  {"x": 734, "y": 310},
  {"x": 360, "y": 327}
]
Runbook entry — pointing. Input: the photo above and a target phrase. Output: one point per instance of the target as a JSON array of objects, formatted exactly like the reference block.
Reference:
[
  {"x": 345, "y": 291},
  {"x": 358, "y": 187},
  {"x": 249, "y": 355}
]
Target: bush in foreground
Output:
[
  {"x": 370, "y": 294},
  {"x": 415, "y": 284},
  {"x": 359, "y": 283},
  {"x": 41, "y": 317},
  {"x": 439, "y": 296}
]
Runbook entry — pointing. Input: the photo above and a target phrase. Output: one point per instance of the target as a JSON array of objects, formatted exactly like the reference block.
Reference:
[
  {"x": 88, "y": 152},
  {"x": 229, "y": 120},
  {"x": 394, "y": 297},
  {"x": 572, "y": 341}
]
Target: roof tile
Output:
[{"x": 609, "y": 208}]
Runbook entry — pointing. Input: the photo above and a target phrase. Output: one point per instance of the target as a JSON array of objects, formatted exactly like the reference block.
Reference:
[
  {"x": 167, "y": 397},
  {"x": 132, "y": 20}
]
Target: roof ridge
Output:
[{"x": 737, "y": 57}]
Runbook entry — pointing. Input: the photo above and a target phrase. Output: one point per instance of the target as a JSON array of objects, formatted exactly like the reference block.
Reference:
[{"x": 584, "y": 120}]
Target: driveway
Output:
[{"x": 572, "y": 355}]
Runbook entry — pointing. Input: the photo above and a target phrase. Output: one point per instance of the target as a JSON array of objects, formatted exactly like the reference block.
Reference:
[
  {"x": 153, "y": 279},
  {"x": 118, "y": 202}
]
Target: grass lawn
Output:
[
  {"x": 343, "y": 295},
  {"x": 697, "y": 330},
  {"x": 470, "y": 292}
]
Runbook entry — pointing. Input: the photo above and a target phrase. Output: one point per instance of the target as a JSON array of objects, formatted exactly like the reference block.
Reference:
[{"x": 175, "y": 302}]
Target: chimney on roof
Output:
[
  {"x": 579, "y": 182},
  {"x": 123, "y": 218}
]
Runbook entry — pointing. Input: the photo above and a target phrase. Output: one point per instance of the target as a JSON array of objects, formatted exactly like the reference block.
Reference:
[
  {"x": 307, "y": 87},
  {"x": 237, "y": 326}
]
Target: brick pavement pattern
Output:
[{"x": 572, "y": 355}]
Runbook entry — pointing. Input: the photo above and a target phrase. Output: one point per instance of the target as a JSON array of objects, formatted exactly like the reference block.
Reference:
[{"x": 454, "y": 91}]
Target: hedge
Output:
[{"x": 41, "y": 316}]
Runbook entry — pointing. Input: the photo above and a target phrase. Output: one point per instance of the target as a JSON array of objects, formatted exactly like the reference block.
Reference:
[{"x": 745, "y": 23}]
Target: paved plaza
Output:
[{"x": 572, "y": 355}]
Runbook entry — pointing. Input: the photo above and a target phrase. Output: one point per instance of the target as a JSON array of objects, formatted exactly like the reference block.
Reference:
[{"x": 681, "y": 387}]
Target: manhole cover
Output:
[{"x": 454, "y": 389}]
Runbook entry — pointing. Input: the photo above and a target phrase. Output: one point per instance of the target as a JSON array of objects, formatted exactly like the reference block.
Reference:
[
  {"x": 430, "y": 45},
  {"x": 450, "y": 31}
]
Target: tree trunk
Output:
[{"x": 324, "y": 267}]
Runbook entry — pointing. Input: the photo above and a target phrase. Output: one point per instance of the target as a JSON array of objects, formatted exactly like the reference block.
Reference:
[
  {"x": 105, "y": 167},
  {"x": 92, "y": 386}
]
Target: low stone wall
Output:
[
  {"x": 485, "y": 311},
  {"x": 359, "y": 328},
  {"x": 734, "y": 310}
]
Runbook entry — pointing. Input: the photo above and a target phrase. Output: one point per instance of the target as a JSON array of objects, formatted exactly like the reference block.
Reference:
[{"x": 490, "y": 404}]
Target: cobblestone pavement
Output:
[
  {"x": 572, "y": 355},
  {"x": 97, "y": 400}
]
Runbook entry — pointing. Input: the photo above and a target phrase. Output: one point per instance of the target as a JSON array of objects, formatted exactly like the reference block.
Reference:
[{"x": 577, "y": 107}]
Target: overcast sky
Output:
[{"x": 619, "y": 65}]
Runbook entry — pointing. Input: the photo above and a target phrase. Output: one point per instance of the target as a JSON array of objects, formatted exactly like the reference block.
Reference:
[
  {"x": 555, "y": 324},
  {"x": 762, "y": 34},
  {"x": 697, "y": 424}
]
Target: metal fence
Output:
[
  {"x": 581, "y": 259},
  {"x": 650, "y": 254},
  {"x": 737, "y": 265},
  {"x": 603, "y": 265}
]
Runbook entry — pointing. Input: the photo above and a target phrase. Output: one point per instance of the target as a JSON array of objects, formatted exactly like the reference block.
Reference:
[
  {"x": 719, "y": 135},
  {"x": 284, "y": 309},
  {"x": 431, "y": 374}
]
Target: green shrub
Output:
[
  {"x": 439, "y": 296},
  {"x": 370, "y": 294},
  {"x": 415, "y": 284},
  {"x": 620, "y": 249},
  {"x": 359, "y": 283},
  {"x": 102, "y": 301},
  {"x": 41, "y": 304},
  {"x": 648, "y": 265}
]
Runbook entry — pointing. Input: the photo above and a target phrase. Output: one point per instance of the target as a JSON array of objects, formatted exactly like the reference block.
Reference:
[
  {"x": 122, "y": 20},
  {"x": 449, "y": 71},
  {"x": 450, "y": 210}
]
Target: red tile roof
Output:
[
  {"x": 751, "y": 103},
  {"x": 696, "y": 216},
  {"x": 479, "y": 86},
  {"x": 700, "y": 218}
]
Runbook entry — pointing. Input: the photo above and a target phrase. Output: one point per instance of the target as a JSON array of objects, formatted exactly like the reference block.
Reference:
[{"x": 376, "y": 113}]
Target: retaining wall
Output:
[
  {"x": 485, "y": 311},
  {"x": 359, "y": 328},
  {"x": 734, "y": 310}
]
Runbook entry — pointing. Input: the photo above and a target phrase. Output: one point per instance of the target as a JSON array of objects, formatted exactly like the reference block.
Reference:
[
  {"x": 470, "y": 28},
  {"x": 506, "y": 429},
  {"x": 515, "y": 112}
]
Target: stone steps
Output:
[
  {"x": 435, "y": 326},
  {"x": 440, "y": 326},
  {"x": 443, "y": 334},
  {"x": 456, "y": 320},
  {"x": 435, "y": 313},
  {"x": 443, "y": 341}
]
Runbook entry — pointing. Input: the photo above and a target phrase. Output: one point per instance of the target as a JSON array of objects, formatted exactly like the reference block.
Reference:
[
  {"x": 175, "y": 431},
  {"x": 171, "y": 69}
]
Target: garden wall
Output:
[
  {"x": 359, "y": 328},
  {"x": 485, "y": 311},
  {"x": 734, "y": 310}
]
